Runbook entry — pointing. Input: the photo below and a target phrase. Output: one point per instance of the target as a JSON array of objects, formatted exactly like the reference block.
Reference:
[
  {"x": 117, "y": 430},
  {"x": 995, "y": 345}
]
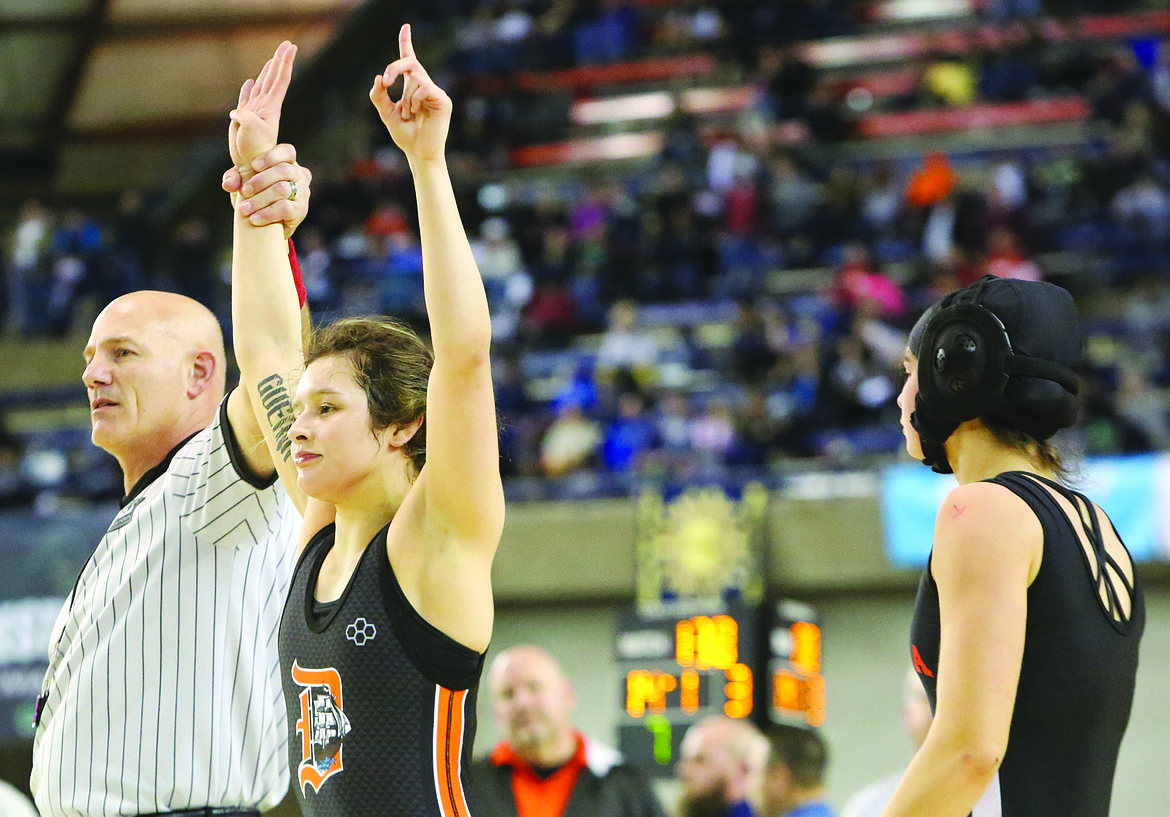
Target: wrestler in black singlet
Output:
[
  {"x": 1079, "y": 663},
  {"x": 381, "y": 705}
]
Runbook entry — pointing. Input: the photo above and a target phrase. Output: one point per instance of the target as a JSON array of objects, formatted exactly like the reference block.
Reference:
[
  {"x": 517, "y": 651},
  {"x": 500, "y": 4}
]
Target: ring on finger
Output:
[{"x": 292, "y": 193}]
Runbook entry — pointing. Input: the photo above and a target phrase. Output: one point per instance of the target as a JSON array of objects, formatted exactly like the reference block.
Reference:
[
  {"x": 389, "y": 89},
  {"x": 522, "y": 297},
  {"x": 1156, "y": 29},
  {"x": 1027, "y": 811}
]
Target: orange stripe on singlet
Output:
[{"x": 449, "y": 752}]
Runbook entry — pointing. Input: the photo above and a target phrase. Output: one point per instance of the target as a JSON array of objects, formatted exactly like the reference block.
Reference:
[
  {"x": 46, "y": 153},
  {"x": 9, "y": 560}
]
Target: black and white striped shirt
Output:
[{"x": 163, "y": 683}]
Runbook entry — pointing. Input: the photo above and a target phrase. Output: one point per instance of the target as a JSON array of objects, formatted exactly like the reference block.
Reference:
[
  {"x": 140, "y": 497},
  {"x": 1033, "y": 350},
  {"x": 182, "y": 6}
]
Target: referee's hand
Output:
[{"x": 267, "y": 193}]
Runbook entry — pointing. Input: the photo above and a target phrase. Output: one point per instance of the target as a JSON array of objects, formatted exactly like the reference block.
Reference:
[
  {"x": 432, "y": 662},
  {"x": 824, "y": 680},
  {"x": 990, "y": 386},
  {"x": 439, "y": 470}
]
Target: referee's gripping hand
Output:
[{"x": 269, "y": 194}]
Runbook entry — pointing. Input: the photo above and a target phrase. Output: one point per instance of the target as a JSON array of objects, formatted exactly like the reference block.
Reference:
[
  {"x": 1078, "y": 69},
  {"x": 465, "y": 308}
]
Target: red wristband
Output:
[{"x": 296, "y": 273}]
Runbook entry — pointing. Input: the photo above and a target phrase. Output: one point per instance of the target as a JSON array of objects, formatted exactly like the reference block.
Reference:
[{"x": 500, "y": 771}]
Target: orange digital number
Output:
[
  {"x": 684, "y": 643},
  {"x": 806, "y": 647},
  {"x": 705, "y": 646},
  {"x": 803, "y": 695},
  {"x": 739, "y": 690},
  {"x": 786, "y": 691},
  {"x": 647, "y": 690},
  {"x": 689, "y": 690},
  {"x": 638, "y": 686},
  {"x": 816, "y": 700},
  {"x": 706, "y": 642},
  {"x": 726, "y": 642}
]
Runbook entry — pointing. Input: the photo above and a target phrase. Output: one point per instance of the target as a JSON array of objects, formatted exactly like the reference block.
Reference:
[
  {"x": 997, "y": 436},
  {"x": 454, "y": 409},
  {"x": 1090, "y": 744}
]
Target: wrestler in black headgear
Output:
[{"x": 1002, "y": 349}]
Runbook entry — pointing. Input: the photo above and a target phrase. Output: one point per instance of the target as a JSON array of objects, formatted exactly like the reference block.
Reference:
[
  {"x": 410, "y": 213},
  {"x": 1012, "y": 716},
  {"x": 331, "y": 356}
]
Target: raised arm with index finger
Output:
[{"x": 390, "y": 609}]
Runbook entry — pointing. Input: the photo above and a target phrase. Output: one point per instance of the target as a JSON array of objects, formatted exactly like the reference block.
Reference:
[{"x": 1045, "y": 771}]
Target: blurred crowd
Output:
[
  {"x": 1017, "y": 53},
  {"x": 741, "y": 300}
]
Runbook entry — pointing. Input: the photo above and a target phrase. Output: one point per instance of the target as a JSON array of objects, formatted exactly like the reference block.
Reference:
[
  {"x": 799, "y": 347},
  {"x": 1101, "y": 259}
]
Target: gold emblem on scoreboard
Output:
[{"x": 702, "y": 546}]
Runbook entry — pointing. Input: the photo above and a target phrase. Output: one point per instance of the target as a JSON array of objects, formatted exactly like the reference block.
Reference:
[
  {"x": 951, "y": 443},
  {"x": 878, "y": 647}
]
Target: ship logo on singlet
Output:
[{"x": 322, "y": 725}]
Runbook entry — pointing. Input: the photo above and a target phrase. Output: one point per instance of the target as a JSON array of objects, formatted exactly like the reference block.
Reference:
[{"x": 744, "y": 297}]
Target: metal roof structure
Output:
[{"x": 99, "y": 95}]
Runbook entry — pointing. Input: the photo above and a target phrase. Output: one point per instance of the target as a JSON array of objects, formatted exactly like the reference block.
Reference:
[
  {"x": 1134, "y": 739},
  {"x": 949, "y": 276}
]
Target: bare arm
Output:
[
  {"x": 246, "y": 427},
  {"x": 457, "y": 502},
  {"x": 987, "y": 549},
  {"x": 265, "y": 199},
  {"x": 463, "y": 494},
  {"x": 265, "y": 314}
]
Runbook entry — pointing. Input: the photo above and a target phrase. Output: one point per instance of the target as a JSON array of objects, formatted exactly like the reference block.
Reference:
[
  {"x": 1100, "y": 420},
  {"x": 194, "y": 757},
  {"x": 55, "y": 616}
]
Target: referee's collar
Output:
[{"x": 154, "y": 473}]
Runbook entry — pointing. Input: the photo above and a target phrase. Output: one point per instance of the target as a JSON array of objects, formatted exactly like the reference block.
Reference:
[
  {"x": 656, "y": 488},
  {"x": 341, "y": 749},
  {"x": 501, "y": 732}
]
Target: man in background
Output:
[
  {"x": 13, "y": 803},
  {"x": 870, "y": 800},
  {"x": 720, "y": 768},
  {"x": 794, "y": 781},
  {"x": 544, "y": 767}
]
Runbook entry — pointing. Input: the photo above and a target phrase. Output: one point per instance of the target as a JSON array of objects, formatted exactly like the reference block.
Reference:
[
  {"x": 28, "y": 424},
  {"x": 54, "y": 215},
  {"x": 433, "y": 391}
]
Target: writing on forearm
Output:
[{"x": 274, "y": 398}]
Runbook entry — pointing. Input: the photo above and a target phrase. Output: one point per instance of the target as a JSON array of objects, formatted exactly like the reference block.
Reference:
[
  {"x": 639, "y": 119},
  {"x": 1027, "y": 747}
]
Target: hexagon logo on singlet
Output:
[{"x": 322, "y": 725}]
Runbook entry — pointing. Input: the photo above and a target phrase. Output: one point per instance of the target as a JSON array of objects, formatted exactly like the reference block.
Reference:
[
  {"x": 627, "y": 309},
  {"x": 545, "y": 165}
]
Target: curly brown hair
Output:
[{"x": 390, "y": 363}]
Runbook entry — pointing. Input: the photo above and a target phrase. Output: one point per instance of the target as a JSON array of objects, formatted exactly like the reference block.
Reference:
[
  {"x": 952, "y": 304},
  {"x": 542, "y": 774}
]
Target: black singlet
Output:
[
  {"x": 381, "y": 705},
  {"x": 1077, "y": 677}
]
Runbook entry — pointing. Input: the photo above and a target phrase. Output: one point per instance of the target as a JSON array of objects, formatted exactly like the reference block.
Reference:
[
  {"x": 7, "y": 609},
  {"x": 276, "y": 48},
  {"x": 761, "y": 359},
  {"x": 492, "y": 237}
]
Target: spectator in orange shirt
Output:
[{"x": 544, "y": 767}]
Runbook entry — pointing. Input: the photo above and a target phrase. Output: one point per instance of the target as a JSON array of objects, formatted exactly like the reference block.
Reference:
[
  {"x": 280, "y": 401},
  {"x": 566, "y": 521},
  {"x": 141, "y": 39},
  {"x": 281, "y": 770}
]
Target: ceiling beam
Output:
[
  {"x": 19, "y": 166},
  {"x": 51, "y": 23},
  {"x": 83, "y": 46},
  {"x": 169, "y": 26},
  {"x": 161, "y": 130}
]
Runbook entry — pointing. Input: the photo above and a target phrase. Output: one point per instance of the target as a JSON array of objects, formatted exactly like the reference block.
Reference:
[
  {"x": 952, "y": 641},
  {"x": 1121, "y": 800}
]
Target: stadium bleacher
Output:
[{"x": 675, "y": 183}]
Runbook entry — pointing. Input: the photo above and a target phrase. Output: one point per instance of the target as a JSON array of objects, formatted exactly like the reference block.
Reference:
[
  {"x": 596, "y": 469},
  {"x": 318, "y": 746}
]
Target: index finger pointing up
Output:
[{"x": 405, "y": 49}]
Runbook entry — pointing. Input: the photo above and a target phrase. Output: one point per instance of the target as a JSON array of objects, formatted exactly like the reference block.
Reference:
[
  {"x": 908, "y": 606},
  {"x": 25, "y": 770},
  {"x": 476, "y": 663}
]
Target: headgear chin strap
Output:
[
  {"x": 968, "y": 369},
  {"x": 931, "y": 437}
]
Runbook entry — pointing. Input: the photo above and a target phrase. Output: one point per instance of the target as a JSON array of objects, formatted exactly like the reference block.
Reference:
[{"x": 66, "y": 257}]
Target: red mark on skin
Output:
[{"x": 957, "y": 510}]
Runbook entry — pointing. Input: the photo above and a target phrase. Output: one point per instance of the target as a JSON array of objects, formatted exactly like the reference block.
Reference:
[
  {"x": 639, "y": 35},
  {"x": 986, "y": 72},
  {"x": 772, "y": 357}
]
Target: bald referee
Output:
[{"x": 163, "y": 692}]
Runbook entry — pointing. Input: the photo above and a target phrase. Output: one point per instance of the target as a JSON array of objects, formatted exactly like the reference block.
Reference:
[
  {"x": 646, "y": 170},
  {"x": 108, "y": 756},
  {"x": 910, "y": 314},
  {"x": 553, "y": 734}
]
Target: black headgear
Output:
[{"x": 1002, "y": 349}]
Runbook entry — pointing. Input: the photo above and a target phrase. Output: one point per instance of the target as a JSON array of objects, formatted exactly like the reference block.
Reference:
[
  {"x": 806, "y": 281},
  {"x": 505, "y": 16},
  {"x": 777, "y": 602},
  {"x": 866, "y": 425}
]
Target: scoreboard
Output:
[
  {"x": 743, "y": 661},
  {"x": 677, "y": 669},
  {"x": 796, "y": 685}
]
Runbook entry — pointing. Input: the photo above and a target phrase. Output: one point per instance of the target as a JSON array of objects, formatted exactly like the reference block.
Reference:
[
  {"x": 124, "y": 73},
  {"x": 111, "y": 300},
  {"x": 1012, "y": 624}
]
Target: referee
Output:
[{"x": 163, "y": 694}]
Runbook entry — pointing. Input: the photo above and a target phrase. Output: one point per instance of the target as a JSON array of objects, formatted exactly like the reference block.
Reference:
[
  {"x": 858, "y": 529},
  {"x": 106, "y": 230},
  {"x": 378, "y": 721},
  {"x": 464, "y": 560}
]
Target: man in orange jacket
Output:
[{"x": 544, "y": 767}]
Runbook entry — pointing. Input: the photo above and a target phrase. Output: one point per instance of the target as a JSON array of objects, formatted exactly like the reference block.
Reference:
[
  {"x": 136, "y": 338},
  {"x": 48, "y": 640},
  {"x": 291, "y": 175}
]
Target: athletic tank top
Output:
[
  {"x": 381, "y": 705},
  {"x": 1077, "y": 676}
]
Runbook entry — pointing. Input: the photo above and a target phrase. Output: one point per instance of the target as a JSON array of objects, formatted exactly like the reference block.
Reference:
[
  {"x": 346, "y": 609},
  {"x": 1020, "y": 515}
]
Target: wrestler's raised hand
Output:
[
  {"x": 256, "y": 118},
  {"x": 419, "y": 120}
]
